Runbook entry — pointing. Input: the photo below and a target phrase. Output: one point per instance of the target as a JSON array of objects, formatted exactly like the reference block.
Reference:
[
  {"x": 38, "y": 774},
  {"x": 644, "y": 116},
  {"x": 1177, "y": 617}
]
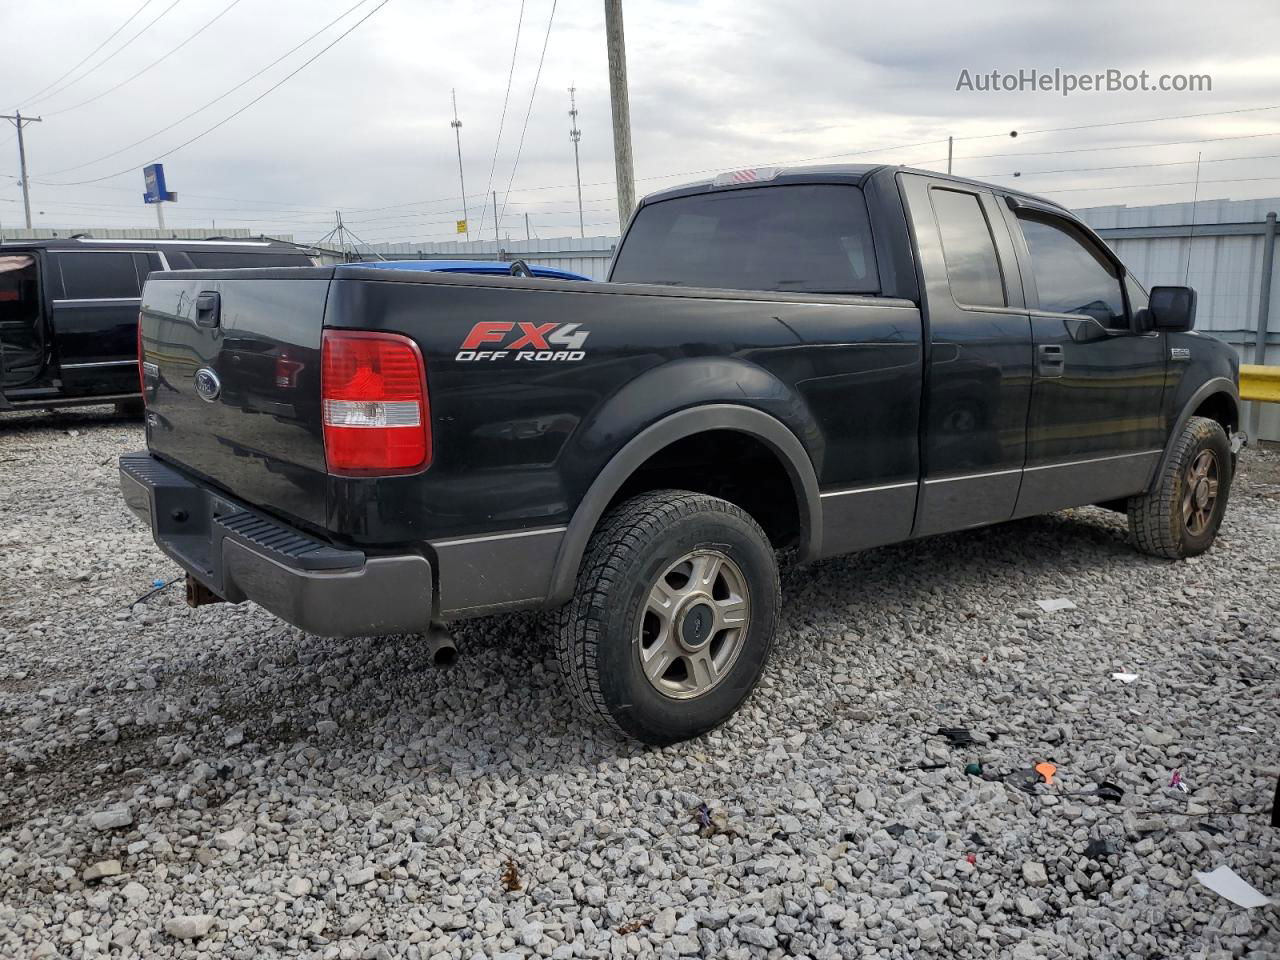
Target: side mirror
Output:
[{"x": 1172, "y": 309}]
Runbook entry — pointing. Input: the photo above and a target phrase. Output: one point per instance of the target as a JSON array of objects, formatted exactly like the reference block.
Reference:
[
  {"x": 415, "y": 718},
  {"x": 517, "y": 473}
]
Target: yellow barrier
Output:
[{"x": 1260, "y": 383}]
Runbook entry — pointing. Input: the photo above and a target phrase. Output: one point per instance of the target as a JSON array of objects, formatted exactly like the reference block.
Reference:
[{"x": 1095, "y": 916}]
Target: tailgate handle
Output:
[{"x": 208, "y": 309}]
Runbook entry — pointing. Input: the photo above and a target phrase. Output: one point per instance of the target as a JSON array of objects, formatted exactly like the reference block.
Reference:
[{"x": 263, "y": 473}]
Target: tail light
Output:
[{"x": 376, "y": 415}]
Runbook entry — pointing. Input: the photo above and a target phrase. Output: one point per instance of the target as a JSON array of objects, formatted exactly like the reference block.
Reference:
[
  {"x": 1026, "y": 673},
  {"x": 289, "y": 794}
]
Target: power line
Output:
[
  {"x": 528, "y": 112},
  {"x": 501, "y": 121},
  {"x": 201, "y": 109},
  {"x": 1123, "y": 123},
  {"x": 1126, "y": 166},
  {"x": 109, "y": 57},
  {"x": 114, "y": 33},
  {"x": 155, "y": 63},
  {"x": 1165, "y": 183},
  {"x": 1127, "y": 146}
]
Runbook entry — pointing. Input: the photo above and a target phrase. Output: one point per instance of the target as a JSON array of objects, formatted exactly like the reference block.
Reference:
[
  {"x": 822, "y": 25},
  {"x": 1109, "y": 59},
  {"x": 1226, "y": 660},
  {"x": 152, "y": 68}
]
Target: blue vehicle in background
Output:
[{"x": 516, "y": 268}]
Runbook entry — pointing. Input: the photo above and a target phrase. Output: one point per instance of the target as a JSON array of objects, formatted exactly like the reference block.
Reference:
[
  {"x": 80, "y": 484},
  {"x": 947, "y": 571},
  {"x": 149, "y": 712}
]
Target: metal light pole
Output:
[
  {"x": 457, "y": 135},
  {"x": 575, "y": 135},
  {"x": 624, "y": 167},
  {"x": 20, "y": 121}
]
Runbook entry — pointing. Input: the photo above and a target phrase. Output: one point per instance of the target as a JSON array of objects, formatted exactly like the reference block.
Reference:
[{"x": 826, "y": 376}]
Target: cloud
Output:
[{"x": 714, "y": 85}]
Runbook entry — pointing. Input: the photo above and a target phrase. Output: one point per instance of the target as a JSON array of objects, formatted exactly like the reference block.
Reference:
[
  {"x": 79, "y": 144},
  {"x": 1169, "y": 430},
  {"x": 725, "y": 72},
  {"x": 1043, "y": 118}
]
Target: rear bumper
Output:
[{"x": 242, "y": 555}]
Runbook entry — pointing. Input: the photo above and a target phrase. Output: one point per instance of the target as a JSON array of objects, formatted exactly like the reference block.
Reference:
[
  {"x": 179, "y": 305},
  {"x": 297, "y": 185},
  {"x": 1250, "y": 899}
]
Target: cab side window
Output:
[
  {"x": 1072, "y": 274},
  {"x": 968, "y": 249},
  {"x": 98, "y": 276}
]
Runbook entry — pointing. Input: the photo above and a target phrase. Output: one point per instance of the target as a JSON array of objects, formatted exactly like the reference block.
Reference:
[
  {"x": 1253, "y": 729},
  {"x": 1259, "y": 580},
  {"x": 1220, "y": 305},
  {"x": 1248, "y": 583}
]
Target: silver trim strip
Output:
[
  {"x": 885, "y": 486},
  {"x": 64, "y": 302},
  {"x": 497, "y": 536},
  {"x": 1077, "y": 463},
  {"x": 147, "y": 242},
  {"x": 975, "y": 476},
  {"x": 100, "y": 363}
]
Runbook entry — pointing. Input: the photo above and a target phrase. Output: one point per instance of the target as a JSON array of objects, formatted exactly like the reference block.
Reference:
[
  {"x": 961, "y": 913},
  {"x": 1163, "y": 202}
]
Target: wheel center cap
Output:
[
  {"x": 1202, "y": 493},
  {"x": 696, "y": 624}
]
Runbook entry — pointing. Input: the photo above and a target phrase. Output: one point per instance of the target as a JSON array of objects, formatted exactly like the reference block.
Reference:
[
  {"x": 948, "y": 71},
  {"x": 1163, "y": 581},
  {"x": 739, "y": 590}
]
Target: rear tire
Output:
[
  {"x": 1181, "y": 515},
  {"x": 673, "y": 617}
]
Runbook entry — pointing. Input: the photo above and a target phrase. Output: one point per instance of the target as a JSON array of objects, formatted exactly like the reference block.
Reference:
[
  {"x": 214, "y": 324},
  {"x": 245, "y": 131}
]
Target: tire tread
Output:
[
  {"x": 622, "y": 533},
  {"x": 1155, "y": 517}
]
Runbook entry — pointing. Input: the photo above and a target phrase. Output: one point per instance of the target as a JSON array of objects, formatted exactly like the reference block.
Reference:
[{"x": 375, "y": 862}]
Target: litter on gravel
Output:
[{"x": 270, "y": 794}]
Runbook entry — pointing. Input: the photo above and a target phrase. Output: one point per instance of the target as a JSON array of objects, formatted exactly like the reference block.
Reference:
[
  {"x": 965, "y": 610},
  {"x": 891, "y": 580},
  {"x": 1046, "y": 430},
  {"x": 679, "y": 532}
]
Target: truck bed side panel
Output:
[{"x": 518, "y": 441}]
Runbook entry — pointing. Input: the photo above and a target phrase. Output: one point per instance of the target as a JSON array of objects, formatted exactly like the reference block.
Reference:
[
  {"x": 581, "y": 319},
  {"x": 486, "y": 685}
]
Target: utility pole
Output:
[
  {"x": 19, "y": 121},
  {"x": 457, "y": 135},
  {"x": 624, "y": 168},
  {"x": 575, "y": 135},
  {"x": 950, "y": 143},
  {"x": 527, "y": 235},
  {"x": 495, "y": 219}
]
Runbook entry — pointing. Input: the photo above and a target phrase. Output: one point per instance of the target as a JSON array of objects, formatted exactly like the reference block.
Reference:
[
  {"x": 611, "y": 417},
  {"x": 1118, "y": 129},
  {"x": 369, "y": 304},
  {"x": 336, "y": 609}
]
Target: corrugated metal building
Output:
[{"x": 1216, "y": 247}]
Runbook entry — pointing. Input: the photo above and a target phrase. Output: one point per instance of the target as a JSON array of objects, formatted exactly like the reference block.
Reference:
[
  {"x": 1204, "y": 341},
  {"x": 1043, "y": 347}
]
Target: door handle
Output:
[
  {"x": 1050, "y": 360},
  {"x": 208, "y": 309}
]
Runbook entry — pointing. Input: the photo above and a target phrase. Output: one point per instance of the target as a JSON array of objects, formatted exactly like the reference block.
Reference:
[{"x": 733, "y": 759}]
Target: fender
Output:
[
  {"x": 718, "y": 416},
  {"x": 1206, "y": 390}
]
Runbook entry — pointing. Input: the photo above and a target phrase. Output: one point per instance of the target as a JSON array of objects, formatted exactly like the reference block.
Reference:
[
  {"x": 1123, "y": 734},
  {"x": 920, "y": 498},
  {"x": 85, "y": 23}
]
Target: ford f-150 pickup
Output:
[{"x": 785, "y": 363}]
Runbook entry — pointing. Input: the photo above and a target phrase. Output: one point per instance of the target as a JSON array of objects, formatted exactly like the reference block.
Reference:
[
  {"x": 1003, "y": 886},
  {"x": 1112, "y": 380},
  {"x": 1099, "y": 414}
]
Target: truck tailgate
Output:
[{"x": 232, "y": 381}]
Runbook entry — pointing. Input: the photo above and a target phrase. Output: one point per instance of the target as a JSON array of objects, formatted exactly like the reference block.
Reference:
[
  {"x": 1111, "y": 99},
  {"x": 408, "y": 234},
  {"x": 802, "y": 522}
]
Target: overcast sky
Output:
[{"x": 715, "y": 84}]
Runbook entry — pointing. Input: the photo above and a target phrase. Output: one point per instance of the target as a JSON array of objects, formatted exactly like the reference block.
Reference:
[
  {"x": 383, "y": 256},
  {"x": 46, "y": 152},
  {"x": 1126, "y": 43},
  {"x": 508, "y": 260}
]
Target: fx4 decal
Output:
[{"x": 524, "y": 341}]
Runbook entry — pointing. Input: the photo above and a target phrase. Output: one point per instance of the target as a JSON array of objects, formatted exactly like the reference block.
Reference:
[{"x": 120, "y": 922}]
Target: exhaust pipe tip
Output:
[{"x": 440, "y": 646}]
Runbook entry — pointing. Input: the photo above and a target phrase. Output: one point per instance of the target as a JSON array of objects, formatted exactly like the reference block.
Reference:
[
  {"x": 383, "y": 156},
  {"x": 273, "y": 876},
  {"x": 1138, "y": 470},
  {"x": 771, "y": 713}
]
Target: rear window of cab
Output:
[{"x": 794, "y": 238}]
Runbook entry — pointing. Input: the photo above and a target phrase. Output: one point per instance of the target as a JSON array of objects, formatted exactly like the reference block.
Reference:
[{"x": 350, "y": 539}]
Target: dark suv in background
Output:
[{"x": 69, "y": 311}]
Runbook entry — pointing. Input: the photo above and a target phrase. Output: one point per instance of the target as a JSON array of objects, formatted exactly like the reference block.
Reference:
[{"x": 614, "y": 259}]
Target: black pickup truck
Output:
[
  {"x": 69, "y": 311},
  {"x": 784, "y": 364}
]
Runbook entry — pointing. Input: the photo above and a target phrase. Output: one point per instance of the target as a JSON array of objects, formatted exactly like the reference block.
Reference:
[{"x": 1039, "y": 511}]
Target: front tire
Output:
[
  {"x": 1181, "y": 515},
  {"x": 673, "y": 617}
]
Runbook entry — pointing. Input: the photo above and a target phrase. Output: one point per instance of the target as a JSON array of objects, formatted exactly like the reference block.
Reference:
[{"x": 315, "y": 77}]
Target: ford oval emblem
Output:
[{"x": 208, "y": 386}]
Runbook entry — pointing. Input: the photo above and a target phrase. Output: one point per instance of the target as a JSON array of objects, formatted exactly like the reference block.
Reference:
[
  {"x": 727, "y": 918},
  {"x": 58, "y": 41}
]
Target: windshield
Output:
[{"x": 806, "y": 238}]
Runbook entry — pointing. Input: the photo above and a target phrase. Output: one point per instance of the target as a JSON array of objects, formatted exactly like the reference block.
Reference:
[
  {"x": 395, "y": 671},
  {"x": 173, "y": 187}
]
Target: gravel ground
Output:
[{"x": 176, "y": 782}]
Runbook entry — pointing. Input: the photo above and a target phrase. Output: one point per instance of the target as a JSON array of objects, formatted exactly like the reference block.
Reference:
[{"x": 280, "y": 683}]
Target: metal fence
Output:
[{"x": 588, "y": 256}]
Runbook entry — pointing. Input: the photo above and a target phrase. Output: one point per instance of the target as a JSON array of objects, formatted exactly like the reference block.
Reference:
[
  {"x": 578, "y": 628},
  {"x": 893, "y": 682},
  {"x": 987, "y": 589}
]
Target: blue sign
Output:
[{"x": 153, "y": 176}]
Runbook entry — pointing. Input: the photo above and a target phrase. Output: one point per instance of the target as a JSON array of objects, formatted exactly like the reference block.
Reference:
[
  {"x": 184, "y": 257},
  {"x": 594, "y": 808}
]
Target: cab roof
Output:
[
  {"x": 852, "y": 173},
  {"x": 245, "y": 244}
]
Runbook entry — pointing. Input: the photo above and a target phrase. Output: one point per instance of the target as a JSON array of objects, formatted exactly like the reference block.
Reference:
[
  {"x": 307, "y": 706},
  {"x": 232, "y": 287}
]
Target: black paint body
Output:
[
  {"x": 896, "y": 415},
  {"x": 75, "y": 338}
]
